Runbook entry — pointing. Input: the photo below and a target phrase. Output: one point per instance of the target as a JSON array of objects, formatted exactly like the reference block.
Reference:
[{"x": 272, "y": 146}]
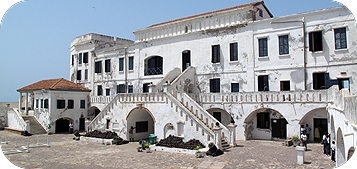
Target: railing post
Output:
[
  {"x": 27, "y": 126},
  {"x": 217, "y": 136},
  {"x": 232, "y": 134}
]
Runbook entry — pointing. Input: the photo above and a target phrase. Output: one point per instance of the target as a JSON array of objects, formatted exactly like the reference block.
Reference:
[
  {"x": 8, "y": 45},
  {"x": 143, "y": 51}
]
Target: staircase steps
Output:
[
  {"x": 225, "y": 144},
  {"x": 35, "y": 126}
]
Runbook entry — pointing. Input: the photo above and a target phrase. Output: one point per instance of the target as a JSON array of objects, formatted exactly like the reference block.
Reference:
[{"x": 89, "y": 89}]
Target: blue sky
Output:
[{"x": 35, "y": 35}]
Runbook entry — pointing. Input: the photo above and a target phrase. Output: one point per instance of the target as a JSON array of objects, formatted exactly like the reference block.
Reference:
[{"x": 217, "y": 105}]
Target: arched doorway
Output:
[
  {"x": 153, "y": 66},
  {"x": 143, "y": 121},
  {"x": 340, "y": 147},
  {"x": 350, "y": 153},
  {"x": 186, "y": 59},
  {"x": 93, "y": 112},
  {"x": 317, "y": 121},
  {"x": 221, "y": 115},
  {"x": 265, "y": 124},
  {"x": 62, "y": 125}
]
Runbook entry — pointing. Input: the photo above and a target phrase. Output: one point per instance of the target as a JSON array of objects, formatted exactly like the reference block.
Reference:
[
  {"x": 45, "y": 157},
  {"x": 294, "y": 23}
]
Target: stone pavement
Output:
[{"x": 66, "y": 153}]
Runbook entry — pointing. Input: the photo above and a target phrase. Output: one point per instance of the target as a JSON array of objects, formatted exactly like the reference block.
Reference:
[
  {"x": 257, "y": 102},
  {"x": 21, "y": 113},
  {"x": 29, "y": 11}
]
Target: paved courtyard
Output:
[{"x": 66, "y": 153}]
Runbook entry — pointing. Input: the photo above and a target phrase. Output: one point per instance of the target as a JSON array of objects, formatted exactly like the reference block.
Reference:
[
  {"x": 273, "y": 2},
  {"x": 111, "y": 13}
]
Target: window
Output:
[
  {"x": 216, "y": 54},
  {"x": 142, "y": 126},
  {"x": 340, "y": 38},
  {"x": 234, "y": 87},
  {"x": 121, "y": 88},
  {"x": 86, "y": 74},
  {"x": 79, "y": 75},
  {"x": 107, "y": 92},
  {"x": 99, "y": 90},
  {"x": 344, "y": 84},
  {"x": 263, "y": 120},
  {"x": 85, "y": 57},
  {"x": 214, "y": 85},
  {"x": 82, "y": 104},
  {"x": 70, "y": 104},
  {"x": 98, "y": 67},
  {"x": 36, "y": 103},
  {"x": 260, "y": 12},
  {"x": 263, "y": 47},
  {"x": 80, "y": 58},
  {"x": 107, "y": 65},
  {"x": 121, "y": 64},
  {"x": 233, "y": 48},
  {"x": 146, "y": 87},
  {"x": 283, "y": 45},
  {"x": 285, "y": 85},
  {"x": 45, "y": 104},
  {"x": 153, "y": 66},
  {"x": 315, "y": 41},
  {"x": 41, "y": 104},
  {"x": 131, "y": 63},
  {"x": 130, "y": 88},
  {"x": 263, "y": 83},
  {"x": 61, "y": 104},
  {"x": 319, "y": 80},
  {"x": 72, "y": 60}
]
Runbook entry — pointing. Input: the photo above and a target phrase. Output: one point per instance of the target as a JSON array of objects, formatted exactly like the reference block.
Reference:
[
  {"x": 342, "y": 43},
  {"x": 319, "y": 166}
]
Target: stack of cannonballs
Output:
[
  {"x": 176, "y": 142},
  {"x": 99, "y": 134}
]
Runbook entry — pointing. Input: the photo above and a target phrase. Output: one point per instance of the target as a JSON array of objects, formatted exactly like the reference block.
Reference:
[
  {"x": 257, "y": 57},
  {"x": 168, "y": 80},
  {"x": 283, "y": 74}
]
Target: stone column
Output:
[
  {"x": 232, "y": 134},
  {"x": 87, "y": 122},
  {"x": 27, "y": 126},
  {"x": 217, "y": 136},
  {"x": 26, "y": 103},
  {"x": 300, "y": 154}
]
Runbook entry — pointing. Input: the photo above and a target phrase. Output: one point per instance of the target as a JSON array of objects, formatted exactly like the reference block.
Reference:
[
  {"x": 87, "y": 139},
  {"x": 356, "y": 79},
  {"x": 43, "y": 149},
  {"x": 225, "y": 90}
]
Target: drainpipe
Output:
[{"x": 304, "y": 50}]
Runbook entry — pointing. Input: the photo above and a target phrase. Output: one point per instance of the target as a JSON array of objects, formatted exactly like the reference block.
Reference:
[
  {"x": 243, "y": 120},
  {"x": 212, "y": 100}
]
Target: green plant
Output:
[
  {"x": 146, "y": 145},
  {"x": 49, "y": 126},
  {"x": 197, "y": 147},
  {"x": 295, "y": 138}
]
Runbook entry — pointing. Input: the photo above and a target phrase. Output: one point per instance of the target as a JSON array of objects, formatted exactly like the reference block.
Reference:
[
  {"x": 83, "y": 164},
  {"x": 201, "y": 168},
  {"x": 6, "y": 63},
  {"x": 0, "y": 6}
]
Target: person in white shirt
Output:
[
  {"x": 333, "y": 148},
  {"x": 304, "y": 139}
]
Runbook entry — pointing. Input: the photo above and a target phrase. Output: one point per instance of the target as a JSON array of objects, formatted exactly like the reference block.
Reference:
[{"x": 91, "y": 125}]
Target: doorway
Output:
[
  {"x": 278, "y": 128},
  {"x": 186, "y": 59},
  {"x": 218, "y": 116},
  {"x": 62, "y": 126},
  {"x": 322, "y": 123},
  {"x": 81, "y": 124}
]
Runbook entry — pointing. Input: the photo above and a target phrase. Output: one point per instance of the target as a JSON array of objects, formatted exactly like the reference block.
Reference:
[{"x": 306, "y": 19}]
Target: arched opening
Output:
[
  {"x": 265, "y": 124},
  {"x": 317, "y": 120},
  {"x": 186, "y": 59},
  {"x": 143, "y": 121},
  {"x": 153, "y": 66},
  {"x": 62, "y": 125},
  {"x": 221, "y": 115},
  {"x": 169, "y": 129},
  {"x": 350, "y": 153},
  {"x": 340, "y": 147},
  {"x": 332, "y": 128},
  {"x": 93, "y": 112}
]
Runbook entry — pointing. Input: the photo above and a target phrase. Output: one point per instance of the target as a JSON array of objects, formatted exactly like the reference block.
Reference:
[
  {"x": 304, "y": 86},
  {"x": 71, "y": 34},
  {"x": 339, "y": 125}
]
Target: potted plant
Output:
[
  {"x": 296, "y": 140},
  {"x": 147, "y": 147},
  {"x": 49, "y": 129}
]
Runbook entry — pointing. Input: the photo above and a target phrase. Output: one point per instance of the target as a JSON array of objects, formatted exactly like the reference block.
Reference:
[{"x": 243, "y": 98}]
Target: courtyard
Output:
[{"x": 66, "y": 153}]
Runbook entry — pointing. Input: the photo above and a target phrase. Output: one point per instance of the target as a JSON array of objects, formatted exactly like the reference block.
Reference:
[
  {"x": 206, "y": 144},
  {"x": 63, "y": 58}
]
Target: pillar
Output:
[
  {"x": 20, "y": 102},
  {"x": 300, "y": 154},
  {"x": 27, "y": 126},
  {"x": 26, "y": 103},
  {"x": 232, "y": 134},
  {"x": 217, "y": 136}
]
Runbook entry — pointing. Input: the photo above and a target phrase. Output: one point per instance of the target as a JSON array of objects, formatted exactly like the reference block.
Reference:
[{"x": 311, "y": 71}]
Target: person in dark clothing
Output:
[{"x": 131, "y": 133}]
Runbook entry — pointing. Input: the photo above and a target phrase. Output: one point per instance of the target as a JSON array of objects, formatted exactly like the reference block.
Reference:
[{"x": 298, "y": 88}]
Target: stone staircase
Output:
[
  {"x": 35, "y": 126},
  {"x": 224, "y": 144}
]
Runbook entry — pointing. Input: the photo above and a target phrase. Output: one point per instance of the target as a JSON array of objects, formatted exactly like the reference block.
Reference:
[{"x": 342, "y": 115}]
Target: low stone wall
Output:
[
  {"x": 96, "y": 140},
  {"x": 177, "y": 150}
]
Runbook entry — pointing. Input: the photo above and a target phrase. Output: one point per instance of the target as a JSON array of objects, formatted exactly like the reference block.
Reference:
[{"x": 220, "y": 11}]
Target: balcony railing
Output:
[{"x": 153, "y": 71}]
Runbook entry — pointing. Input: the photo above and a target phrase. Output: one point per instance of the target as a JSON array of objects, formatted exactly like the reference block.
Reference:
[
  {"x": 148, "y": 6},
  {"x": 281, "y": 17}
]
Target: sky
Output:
[{"x": 35, "y": 35}]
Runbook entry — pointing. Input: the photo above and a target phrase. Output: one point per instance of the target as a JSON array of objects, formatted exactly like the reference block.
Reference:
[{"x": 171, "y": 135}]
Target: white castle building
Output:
[{"x": 183, "y": 77}]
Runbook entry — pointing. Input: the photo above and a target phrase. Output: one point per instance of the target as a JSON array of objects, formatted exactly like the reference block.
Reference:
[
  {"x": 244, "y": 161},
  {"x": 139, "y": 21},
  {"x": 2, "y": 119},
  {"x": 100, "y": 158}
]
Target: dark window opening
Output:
[
  {"x": 146, "y": 87},
  {"x": 131, "y": 63},
  {"x": 263, "y": 83},
  {"x": 107, "y": 92},
  {"x": 121, "y": 64},
  {"x": 130, "y": 88},
  {"x": 108, "y": 124},
  {"x": 283, "y": 45},
  {"x": 340, "y": 38},
  {"x": 36, "y": 103},
  {"x": 41, "y": 104},
  {"x": 80, "y": 58},
  {"x": 72, "y": 60},
  {"x": 142, "y": 126},
  {"x": 107, "y": 65},
  {"x": 85, "y": 57},
  {"x": 215, "y": 85},
  {"x": 61, "y": 104},
  {"x": 153, "y": 66},
  {"x": 315, "y": 41},
  {"x": 70, "y": 104},
  {"x": 234, "y": 87},
  {"x": 263, "y": 47},
  {"x": 121, "y": 88},
  {"x": 45, "y": 104},
  {"x": 99, "y": 90},
  {"x": 98, "y": 67},
  {"x": 319, "y": 80},
  {"x": 284, "y": 85},
  {"x": 186, "y": 59},
  {"x": 82, "y": 104},
  {"x": 216, "y": 51},
  {"x": 260, "y": 12},
  {"x": 86, "y": 74},
  {"x": 344, "y": 84},
  {"x": 263, "y": 120},
  {"x": 217, "y": 116},
  {"x": 233, "y": 48},
  {"x": 79, "y": 73}
]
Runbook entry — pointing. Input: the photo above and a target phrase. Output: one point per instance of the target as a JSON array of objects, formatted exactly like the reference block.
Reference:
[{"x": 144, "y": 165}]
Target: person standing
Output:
[
  {"x": 333, "y": 148},
  {"x": 70, "y": 128},
  {"x": 308, "y": 130},
  {"x": 131, "y": 134},
  {"x": 317, "y": 134},
  {"x": 304, "y": 139}
]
